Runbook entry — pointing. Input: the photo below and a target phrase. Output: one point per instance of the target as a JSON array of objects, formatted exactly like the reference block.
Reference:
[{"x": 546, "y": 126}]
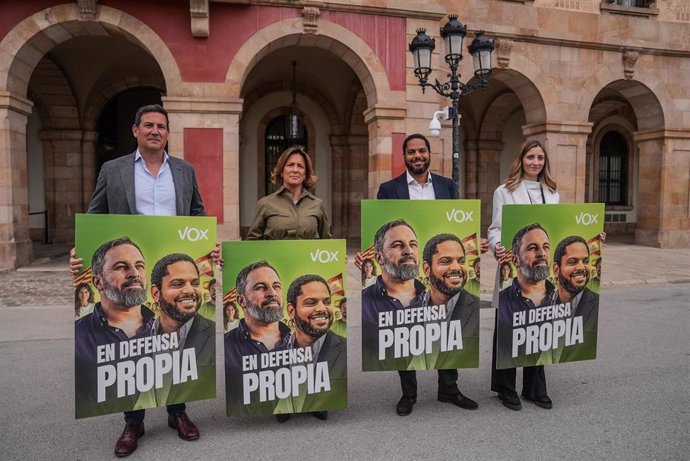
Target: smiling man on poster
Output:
[
  {"x": 446, "y": 268},
  {"x": 571, "y": 267},
  {"x": 176, "y": 288},
  {"x": 310, "y": 307}
]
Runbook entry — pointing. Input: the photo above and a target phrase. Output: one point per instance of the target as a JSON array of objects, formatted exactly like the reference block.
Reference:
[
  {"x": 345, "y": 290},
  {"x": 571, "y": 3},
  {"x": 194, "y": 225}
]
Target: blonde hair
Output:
[
  {"x": 310, "y": 179},
  {"x": 515, "y": 176}
]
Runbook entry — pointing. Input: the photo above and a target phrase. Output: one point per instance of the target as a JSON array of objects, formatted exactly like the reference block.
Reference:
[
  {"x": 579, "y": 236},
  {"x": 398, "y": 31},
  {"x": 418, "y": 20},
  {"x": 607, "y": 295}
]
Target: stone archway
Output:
[
  {"x": 659, "y": 207},
  {"x": 20, "y": 52},
  {"x": 332, "y": 37}
]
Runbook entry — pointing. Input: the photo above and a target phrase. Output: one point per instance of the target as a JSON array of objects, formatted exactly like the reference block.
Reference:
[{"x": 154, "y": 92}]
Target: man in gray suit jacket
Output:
[{"x": 148, "y": 182}]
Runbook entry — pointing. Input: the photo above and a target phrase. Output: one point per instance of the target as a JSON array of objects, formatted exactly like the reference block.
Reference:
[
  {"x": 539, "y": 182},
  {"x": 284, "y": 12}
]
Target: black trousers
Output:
[
  {"x": 533, "y": 378},
  {"x": 137, "y": 416},
  {"x": 447, "y": 383}
]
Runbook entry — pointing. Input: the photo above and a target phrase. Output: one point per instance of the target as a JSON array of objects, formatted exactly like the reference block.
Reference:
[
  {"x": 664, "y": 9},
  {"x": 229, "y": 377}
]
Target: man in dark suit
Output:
[
  {"x": 571, "y": 267},
  {"x": 418, "y": 183},
  {"x": 176, "y": 288},
  {"x": 148, "y": 182}
]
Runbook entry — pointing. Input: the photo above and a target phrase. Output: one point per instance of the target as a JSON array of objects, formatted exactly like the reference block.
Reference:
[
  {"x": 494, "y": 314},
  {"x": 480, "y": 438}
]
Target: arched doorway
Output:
[
  {"x": 619, "y": 111},
  {"x": 47, "y": 75}
]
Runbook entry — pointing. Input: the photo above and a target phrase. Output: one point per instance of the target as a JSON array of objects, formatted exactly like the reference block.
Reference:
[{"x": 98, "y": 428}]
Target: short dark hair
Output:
[
  {"x": 150, "y": 108},
  {"x": 296, "y": 287},
  {"x": 381, "y": 233},
  {"x": 160, "y": 269},
  {"x": 517, "y": 240},
  {"x": 559, "y": 252},
  {"x": 415, "y": 136},
  {"x": 241, "y": 281},
  {"x": 431, "y": 247},
  {"x": 98, "y": 257}
]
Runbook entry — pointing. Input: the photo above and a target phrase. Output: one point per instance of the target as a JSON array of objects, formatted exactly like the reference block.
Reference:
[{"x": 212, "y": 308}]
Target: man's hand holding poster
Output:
[
  {"x": 420, "y": 284},
  {"x": 549, "y": 302},
  {"x": 140, "y": 341},
  {"x": 285, "y": 354}
]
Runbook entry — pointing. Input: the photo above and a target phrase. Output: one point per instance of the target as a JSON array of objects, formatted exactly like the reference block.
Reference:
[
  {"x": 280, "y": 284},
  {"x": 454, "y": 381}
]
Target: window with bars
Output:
[
  {"x": 276, "y": 143},
  {"x": 633, "y": 3},
  {"x": 613, "y": 169}
]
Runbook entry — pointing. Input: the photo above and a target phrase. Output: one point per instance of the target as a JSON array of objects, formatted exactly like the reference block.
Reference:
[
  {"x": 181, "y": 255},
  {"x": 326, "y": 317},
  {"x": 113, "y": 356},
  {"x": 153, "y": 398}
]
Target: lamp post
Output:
[{"x": 453, "y": 34}]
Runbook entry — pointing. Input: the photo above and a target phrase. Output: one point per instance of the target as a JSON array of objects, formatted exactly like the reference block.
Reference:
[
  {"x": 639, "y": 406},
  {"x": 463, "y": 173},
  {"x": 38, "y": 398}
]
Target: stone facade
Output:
[{"x": 565, "y": 72}]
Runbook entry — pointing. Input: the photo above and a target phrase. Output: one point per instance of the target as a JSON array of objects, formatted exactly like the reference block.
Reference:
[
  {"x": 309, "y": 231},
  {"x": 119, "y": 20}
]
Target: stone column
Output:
[
  {"x": 566, "y": 145},
  {"x": 15, "y": 242},
  {"x": 211, "y": 113},
  {"x": 89, "y": 174},
  {"x": 63, "y": 181},
  {"x": 489, "y": 169},
  {"x": 382, "y": 122},
  {"x": 349, "y": 180},
  {"x": 663, "y": 204}
]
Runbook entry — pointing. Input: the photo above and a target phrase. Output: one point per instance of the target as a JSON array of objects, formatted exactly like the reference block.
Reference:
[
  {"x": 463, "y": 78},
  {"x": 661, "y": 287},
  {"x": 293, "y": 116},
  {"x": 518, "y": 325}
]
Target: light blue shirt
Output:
[{"x": 154, "y": 195}]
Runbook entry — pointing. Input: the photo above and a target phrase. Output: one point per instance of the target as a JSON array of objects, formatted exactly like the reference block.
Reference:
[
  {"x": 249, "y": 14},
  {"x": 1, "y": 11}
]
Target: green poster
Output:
[
  {"x": 420, "y": 284},
  {"x": 550, "y": 278},
  {"x": 288, "y": 352},
  {"x": 145, "y": 328}
]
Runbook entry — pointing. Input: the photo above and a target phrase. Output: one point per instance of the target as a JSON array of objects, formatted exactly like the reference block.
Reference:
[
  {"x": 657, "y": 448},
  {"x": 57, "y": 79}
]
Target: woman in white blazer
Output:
[{"x": 529, "y": 181}]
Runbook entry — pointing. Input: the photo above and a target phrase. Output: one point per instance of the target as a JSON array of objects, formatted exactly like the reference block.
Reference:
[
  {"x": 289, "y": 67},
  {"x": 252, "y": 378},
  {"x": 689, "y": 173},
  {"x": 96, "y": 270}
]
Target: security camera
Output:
[{"x": 435, "y": 123}]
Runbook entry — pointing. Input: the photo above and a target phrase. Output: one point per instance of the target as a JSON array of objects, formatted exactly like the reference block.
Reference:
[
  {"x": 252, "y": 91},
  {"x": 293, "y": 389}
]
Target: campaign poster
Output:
[
  {"x": 420, "y": 284},
  {"x": 286, "y": 352},
  {"x": 550, "y": 277},
  {"x": 145, "y": 327}
]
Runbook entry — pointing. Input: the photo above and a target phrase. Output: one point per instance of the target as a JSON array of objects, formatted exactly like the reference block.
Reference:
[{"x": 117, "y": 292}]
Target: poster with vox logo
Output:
[
  {"x": 145, "y": 320},
  {"x": 550, "y": 278},
  {"x": 286, "y": 345},
  {"x": 420, "y": 284}
]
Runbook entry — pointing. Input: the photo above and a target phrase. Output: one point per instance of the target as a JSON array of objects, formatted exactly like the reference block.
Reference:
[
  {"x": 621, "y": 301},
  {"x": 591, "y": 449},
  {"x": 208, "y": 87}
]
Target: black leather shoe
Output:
[
  {"x": 282, "y": 417},
  {"x": 184, "y": 426},
  {"x": 405, "y": 405},
  {"x": 461, "y": 401},
  {"x": 510, "y": 400},
  {"x": 127, "y": 443},
  {"x": 542, "y": 402},
  {"x": 322, "y": 415}
]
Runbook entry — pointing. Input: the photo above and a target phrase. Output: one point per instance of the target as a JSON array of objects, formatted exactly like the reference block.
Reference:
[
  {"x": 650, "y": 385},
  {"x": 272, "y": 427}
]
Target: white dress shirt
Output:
[{"x": 420, "y": 191}]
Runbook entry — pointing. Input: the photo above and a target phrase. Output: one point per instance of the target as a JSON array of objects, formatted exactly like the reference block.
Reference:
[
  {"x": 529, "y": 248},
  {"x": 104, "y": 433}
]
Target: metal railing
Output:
[{"x": 45, "y": 223}]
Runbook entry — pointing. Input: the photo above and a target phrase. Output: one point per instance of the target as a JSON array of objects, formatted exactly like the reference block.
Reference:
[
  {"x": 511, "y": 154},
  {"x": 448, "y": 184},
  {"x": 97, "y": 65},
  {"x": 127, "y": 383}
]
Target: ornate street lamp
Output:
[
  {"x": 453, "y": 34},
  {"x": 294, "y": 126}
]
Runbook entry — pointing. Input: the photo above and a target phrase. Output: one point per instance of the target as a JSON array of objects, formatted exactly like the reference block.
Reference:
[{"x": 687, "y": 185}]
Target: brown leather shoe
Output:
[
  {"x": 185, "y": 428},
  {"x": 127, "y": 443}
]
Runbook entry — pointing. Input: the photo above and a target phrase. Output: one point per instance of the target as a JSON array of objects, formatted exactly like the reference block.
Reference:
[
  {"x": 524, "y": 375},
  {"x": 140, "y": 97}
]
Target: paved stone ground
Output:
[{"x": 30, "y": 288}]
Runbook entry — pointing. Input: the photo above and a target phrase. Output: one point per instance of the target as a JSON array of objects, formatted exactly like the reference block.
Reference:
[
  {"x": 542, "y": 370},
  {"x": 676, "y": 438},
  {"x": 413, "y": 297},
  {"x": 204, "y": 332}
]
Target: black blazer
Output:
[
  {"x": 397, "y": 188},
  {"x": 114, "y": 191}
]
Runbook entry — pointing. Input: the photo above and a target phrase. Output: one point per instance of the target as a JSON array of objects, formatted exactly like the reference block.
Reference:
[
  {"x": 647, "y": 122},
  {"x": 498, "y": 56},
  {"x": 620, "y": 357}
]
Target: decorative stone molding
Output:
[
  {"x": 199, "y": 15},
  {"x": 504, "y": 48},
  {"x": 311, "y": 19},
  {"x": 675, "y": 10},
  {"x": 88, "y": 10},
  {"x": 577, "y": 5},
  {"x": 15, "y": 103},
  {"x": 629, "y": 60}
]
